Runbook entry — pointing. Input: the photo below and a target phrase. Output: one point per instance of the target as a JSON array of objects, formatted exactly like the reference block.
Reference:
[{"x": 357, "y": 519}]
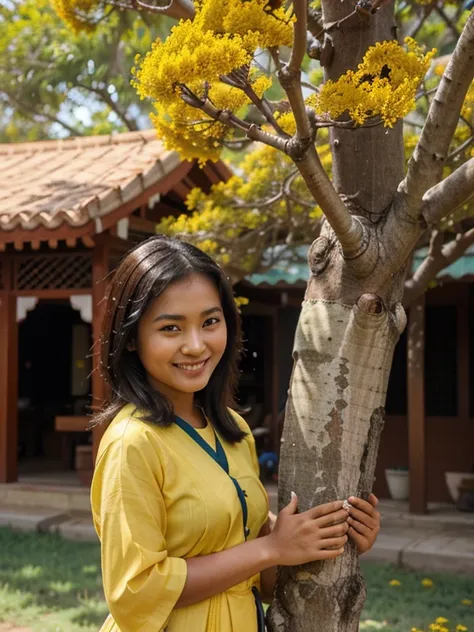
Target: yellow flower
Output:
[
  {"x": 466, "y": 602},
  {"x": 384, "y": 84},
  {"x": 441, "y": 620},
  {"x": 427, "y": 583},
  {"x": 395, "y": 582},
  {"x": 461, "y": 628},
  {"x": 240, "y": 301}
]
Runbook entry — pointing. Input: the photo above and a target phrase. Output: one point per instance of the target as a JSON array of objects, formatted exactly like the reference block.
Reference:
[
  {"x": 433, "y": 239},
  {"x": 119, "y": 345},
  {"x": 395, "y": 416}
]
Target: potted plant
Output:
[
  {"x": 398, "y": 481},
  {"x": 453, "y": 482}
]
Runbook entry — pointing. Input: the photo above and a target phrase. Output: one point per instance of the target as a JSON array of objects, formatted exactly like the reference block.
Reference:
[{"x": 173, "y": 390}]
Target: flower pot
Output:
[
  {"x": 465, "y": 501},
  {"x": 453, "y": 481},
  {"x": 398, "y": 482}
]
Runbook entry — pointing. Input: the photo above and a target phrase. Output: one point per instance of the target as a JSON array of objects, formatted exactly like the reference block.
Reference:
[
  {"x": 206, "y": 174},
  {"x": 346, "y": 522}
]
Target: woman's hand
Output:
[
  {"x": 364, "y": 522},
  {"x": 316, "y": 534}
]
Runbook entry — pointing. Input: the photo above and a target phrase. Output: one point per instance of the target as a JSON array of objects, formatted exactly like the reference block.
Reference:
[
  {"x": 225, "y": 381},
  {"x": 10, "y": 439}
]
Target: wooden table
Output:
[{"x": 66, "y": 425}]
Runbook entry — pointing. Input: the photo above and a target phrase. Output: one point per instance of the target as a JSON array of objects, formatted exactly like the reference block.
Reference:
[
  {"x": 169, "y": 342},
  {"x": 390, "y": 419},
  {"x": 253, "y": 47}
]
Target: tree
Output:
[
  {"x": 208, "y": 81},
  {"x": 49, "y": 75}
]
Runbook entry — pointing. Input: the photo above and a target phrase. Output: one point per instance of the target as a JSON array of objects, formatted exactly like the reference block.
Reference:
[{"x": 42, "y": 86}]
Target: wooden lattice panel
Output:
[{"x": 54, "y": 272}]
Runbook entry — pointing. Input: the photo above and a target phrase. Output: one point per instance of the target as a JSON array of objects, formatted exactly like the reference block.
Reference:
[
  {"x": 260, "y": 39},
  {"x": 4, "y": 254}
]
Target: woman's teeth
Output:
[{"x": 191, "y": 367}]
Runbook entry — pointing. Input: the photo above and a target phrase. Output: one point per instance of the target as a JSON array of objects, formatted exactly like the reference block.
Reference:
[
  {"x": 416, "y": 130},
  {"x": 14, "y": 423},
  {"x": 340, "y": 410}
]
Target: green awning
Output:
[{"x": 292, "y": 267}]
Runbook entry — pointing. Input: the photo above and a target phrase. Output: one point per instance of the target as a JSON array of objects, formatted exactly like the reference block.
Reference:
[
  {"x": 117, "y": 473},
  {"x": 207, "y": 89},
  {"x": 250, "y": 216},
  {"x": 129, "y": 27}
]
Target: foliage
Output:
[
  {"x": 198, "y": 63},
  {"x": 407, "y": 601},
  {"x": 224, "y": 57},
  {"x": 55, "y": 83},
  {"x": 384, "y": 84}
]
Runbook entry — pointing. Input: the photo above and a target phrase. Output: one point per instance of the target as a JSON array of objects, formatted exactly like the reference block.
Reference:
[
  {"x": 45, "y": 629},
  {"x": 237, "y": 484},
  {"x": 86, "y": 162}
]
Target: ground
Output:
[{"x": 48, "y": 584}]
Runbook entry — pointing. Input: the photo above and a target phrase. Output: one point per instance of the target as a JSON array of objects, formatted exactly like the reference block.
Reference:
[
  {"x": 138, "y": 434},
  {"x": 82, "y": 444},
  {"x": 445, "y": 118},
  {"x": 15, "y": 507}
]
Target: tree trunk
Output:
[
  {"x": 333, "y": 423},
  {"x": 343, "y": 352}
]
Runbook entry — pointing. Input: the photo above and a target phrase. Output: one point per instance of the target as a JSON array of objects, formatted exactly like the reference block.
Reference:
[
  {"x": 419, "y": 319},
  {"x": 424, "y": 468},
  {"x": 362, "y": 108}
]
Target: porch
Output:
[{"x": 61, "y": 233}]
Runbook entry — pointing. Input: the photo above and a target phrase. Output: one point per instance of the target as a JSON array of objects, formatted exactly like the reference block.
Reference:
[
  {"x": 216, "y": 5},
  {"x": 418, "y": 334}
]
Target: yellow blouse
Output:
[{"x": 157, "y": 499}]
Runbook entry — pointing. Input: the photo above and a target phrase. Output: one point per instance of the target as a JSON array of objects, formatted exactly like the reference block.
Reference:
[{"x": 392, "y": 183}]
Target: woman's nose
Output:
[{"x": 194, "y": 344}]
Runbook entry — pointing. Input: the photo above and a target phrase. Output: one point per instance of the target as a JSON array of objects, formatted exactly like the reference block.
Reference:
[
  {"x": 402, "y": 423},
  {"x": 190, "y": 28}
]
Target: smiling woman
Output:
[
  {"x": 170, "y": 304},
  {"x": 176, "y": 497},
  {"x": 181, "y": 339}
]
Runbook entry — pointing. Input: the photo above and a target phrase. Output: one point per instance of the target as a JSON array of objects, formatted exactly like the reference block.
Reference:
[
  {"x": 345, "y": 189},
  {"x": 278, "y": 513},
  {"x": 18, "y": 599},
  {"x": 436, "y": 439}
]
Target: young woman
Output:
[{"x": 177, "y": 502}]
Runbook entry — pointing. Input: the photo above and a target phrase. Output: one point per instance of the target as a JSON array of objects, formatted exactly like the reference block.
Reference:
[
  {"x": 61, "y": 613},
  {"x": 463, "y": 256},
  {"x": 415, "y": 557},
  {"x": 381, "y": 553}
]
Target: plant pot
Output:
[
  {"x": 465, "y": 501},
  {"x": 453, "y": 481},
  {"x": 398, "y": 482}
]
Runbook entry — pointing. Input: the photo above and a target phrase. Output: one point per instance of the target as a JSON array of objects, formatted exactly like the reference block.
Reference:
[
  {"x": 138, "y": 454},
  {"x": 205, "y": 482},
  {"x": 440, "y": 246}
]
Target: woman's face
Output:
[{"x": 182, "y": 336}]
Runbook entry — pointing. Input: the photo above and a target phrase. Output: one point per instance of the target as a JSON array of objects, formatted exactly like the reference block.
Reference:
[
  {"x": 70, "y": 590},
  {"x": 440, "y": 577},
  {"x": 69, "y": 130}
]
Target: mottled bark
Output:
[{"x": 334, "y": 419}]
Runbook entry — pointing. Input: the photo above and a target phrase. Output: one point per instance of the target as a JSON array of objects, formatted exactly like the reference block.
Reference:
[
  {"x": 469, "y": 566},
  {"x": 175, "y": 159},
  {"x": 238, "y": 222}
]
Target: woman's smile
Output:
[{"x": 193, "y": 369}]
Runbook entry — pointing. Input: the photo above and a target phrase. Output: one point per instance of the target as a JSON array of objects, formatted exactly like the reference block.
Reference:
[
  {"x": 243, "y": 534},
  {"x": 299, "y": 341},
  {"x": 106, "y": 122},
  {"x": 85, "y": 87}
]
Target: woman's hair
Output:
[{"x": 143, "y": 275}]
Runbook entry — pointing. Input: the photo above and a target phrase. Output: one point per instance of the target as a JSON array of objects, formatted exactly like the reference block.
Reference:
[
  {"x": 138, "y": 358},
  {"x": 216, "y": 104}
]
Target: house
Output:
[
  {"x": 429, "y": 424},
  {"x": 69, "y": 210}
]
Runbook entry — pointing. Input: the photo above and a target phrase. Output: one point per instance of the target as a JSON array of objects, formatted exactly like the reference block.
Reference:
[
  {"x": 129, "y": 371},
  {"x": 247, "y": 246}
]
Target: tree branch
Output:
[
  {"x": 450, "y": 194},
  {"x": 426, "y": 165},
  {"x": 421, "y": 20},
  {"x": 347, "y": 228},
  {"x": 31, "y": 113},
  {"x": 290, "y": 73},
  {"x": 227, "y": 118},
  {"x": 107, "y": 99},
  {"x": 440, "y": 11},
  {"x": 178, "y": 9},
  {"x": 436, "y": 260},
  {"x": 239, "y": 79}
]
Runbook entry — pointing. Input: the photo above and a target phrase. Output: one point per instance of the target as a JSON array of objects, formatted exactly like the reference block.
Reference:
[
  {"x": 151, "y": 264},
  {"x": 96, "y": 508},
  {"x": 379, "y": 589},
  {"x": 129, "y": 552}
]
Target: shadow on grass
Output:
[{"x": 49, "y": 571}]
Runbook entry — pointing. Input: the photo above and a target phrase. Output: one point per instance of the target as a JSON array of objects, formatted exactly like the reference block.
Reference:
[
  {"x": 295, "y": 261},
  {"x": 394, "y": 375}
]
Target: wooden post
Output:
[
  {"x": 8, "y": 383},
  {"x": 100, "y": 270},
  {"x": 416, "y": 406}
]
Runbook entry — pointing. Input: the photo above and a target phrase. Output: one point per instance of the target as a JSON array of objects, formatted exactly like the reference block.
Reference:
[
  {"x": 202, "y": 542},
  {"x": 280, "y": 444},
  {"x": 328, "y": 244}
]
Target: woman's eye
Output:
[
  {"x": 211, "y": 321},
  {"x": 171, "y": 328}
]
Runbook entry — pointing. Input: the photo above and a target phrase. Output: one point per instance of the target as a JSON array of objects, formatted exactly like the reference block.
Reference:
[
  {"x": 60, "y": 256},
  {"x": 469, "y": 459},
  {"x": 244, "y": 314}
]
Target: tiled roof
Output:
[{"x": 69, "y": 182}]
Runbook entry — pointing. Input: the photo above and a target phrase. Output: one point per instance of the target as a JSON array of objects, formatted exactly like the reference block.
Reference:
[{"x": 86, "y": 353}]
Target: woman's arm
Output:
[
  {"x": 209, "y": 575},
  {"x": 296, "y": 539},
  {"x": 268, "y": 575}
]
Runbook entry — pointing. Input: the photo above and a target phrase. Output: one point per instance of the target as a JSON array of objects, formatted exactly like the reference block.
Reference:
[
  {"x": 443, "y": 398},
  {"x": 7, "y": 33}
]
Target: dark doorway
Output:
[{"x": 50, "y": 361}]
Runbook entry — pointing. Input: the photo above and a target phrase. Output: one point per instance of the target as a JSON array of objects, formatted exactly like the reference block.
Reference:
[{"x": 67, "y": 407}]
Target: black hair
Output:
[{"x": 144, "y": 273}]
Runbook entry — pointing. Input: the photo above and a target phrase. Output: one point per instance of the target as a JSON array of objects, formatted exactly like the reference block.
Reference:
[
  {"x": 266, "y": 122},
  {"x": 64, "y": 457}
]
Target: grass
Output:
[
  {"x": 50, "y": 584},
  {"x": 54, "y": 585},
  {"x": 399, "y": 608}
]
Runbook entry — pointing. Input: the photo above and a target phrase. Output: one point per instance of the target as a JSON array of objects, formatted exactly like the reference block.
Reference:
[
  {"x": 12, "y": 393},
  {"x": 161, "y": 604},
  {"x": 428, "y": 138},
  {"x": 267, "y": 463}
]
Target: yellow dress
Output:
[{"x": 157, "y": 499}]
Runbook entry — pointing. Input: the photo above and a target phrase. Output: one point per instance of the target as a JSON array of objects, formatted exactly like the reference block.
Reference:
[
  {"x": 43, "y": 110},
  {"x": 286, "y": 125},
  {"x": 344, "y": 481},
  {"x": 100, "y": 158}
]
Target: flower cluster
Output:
[
  {"x": 440, "y": 625},
  {"x": 79, "y": 14},
  {"x": 236, "y": 221},
  {"x": 384, "y": 84},
  {"x": 223, "y": 37}
]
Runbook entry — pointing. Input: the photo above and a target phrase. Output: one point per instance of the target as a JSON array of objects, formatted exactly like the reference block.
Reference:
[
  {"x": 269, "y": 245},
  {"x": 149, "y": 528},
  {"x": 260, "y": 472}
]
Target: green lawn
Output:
[{"x": 53, "y": 585}]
